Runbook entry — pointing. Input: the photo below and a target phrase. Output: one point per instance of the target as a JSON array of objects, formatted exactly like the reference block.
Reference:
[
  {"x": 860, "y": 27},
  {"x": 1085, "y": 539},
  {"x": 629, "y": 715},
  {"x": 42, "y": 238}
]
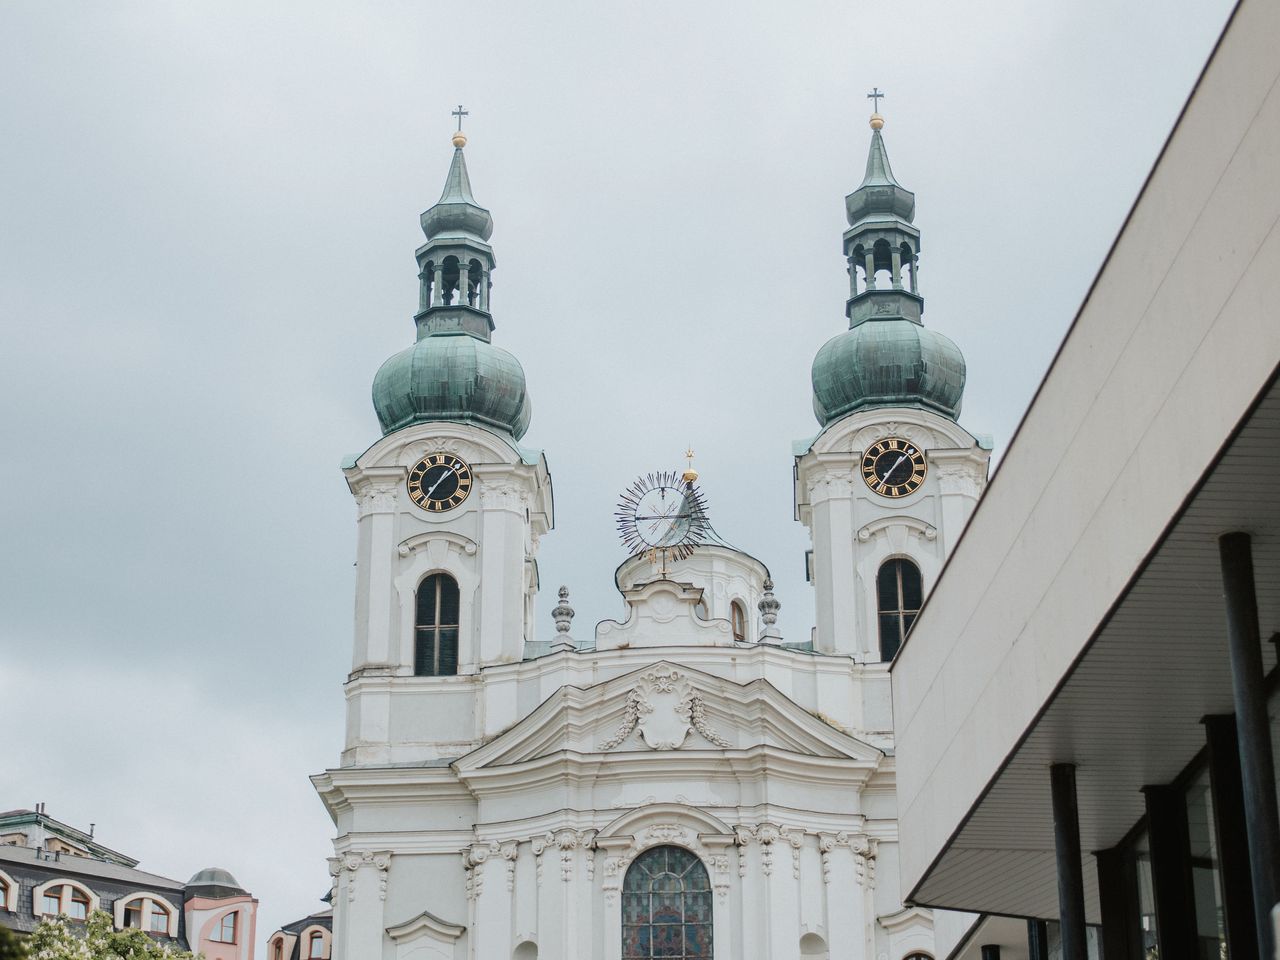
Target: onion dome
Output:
[
  {"x": 894, "y": 363},
  {"x": 887, "y": 357},
  {"x": 452, "y": 377},
  {"x": 215, "y": 883}
]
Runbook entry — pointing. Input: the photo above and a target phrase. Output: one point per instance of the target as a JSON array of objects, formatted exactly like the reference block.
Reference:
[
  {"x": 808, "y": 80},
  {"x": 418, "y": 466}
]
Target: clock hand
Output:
[
  {"x": 437, "y": 483},
  {"x": 889, "y": 472}
]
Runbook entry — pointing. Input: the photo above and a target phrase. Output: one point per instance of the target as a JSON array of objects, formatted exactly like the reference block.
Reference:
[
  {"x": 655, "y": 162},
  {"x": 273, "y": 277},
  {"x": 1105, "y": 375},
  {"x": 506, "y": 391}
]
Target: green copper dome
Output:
[
  {"x": 452, "y": 377},
  {"x": 893, "y": 362}
]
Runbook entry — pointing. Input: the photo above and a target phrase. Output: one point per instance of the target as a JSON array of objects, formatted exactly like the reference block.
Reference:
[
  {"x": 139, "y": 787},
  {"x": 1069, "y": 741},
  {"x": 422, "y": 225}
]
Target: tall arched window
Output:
[
  {"x": 739, "y": 620},
  {"x": 666, "y": 907},
  {"x": 900, "y": 595},
  {"x": 316, "y": 950},
  {"x": 435, "y": 650}
]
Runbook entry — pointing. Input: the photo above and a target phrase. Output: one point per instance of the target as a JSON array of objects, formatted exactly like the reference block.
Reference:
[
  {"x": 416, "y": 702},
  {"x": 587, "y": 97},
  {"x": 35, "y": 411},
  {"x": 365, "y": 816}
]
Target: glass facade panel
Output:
[
  {"x": 1206, "y": 881},
  {"x": 666, "y": 907},
  {"x": 1146, "y": 895}
]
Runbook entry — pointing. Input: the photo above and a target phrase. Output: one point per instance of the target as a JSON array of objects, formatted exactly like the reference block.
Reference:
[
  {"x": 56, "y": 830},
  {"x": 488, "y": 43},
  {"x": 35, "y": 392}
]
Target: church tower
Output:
[
  {"x": 450, "y": 506},
  {"x": 889, "y": 482}
]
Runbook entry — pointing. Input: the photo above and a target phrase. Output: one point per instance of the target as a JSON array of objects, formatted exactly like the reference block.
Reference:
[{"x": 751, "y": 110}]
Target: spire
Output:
[
  {"x": 881, "y": 239},
  {"x": 886, "y": 358},
  {"x": 456, "y": 261},
  {"x": 453, "y": 371},
  {"x": 880, "y": 194},
  {"x": 457, "y": 185}
]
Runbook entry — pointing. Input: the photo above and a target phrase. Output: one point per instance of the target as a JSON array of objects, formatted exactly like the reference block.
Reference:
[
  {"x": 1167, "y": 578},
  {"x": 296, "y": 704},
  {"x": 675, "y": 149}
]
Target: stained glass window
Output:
[{"x": 666, "y": 907}]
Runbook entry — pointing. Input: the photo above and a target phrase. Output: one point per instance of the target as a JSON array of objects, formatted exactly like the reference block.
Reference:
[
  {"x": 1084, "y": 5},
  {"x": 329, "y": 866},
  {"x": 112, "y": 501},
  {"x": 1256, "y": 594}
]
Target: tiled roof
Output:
[{"x": 73, "y": 866}]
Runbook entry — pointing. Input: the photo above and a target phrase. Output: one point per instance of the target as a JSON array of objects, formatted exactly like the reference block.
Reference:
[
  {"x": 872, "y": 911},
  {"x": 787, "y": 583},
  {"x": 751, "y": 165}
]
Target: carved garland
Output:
[{"x": 666, "y": 729}]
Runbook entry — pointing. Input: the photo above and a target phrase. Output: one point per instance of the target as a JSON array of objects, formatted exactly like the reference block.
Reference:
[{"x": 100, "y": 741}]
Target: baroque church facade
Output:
[{"x": 684, "y": 783}]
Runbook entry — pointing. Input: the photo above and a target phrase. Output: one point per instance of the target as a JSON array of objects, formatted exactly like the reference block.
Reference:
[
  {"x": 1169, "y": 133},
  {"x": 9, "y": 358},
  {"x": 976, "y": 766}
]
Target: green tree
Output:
[
  {"x": 10, "y": 946},
  {"x": 55, "y": 939}
]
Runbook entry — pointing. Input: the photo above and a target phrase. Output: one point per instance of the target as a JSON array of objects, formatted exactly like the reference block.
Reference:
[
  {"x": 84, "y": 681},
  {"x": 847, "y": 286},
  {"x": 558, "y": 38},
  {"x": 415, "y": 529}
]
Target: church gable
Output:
[{"x": 665, "y": 707}]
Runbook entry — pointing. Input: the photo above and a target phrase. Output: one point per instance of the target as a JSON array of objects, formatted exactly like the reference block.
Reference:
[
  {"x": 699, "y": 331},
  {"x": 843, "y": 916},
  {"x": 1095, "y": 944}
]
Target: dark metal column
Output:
[
  {"x": 1066, "y": 841},
  {"x": 1038, "y": 940},
  {"x": 990, "y": 951},
  {"x": 1232, "y": 841},
  {"x": 1118, "y": 898},
  {"x": 1171, "y": 872},
  {"x": 1258, "y": 776}
]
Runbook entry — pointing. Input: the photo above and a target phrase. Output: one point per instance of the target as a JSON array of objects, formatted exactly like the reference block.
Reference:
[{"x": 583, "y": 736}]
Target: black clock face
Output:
[
  {"x": 439, "y": 482},
  {"x": 893, "y": 467}
]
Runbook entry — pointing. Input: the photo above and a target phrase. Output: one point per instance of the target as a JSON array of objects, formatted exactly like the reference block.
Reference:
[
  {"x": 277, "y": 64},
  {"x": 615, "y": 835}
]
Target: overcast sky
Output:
[{"x": 208, "y": 212}]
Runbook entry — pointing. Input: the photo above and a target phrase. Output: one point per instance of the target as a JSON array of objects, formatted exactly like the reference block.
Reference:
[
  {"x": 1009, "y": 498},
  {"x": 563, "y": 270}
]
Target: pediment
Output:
[{"x": 669, "y": 709}]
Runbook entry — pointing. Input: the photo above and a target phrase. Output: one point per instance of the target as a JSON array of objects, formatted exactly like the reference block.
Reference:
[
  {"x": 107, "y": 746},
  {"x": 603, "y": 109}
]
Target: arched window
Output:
[
  {"x": 63, "y": 896},
  {"x": 316, "y": 950},
  {"x": 739, "y": 613},
  {"x": 666, "y": 907},
  {"x": 159, "y": 918},
  {"x": 277, "y": 948},
  {"x": 899, "y": 594},
  {"x": 435, "y": 650},
  {"x": 78, "y": 905},
  {"x": 8, "y": 893},
  {"x": 225, "y": 931}
]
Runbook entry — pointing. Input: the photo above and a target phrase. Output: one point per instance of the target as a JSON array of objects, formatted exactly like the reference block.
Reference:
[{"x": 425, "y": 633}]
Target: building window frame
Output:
[
  {"x": 436, "y": 633},
  {"x": 738, "y": 619},
  {"x": 226, "y": 928},
  {"x": 905, "y": 595},
  {"x": 149, "y": 906},
  {"x": 307, "y": 938},
  {"x": 8, "y": 893},
  {"x": 66, "y": 895}
]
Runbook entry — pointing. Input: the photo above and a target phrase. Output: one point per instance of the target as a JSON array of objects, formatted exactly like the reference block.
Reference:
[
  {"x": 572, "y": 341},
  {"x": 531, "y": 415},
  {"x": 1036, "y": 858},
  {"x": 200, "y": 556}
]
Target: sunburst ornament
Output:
[{"x": 664, "y": 514}]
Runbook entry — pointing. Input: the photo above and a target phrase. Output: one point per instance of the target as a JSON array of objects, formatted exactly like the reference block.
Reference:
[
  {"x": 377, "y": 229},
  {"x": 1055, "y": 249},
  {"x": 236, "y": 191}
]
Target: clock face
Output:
[
  {"x": 439, "y": 482},
  {"x": 662, "y": 517},
  {"x": 893, "y": 467},
  {"x": 662, "y": 512}
]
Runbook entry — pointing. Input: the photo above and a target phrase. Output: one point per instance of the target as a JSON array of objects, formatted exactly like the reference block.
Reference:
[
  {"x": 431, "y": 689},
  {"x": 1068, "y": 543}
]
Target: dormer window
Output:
[{"x": 317, "y": 947}]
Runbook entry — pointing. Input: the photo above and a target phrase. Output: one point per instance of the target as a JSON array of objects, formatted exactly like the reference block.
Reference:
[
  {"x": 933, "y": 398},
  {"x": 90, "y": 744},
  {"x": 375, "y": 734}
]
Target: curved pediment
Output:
[{"x": 672, "y": 710}]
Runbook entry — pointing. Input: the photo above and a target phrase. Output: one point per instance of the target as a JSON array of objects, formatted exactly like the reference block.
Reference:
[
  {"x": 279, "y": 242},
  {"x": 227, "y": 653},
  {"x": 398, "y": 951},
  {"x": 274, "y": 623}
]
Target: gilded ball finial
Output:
[
  {"x": 459, "y": 139},
  {"x": 690, "y": 475},
  {"x": 877, "y": 121}
]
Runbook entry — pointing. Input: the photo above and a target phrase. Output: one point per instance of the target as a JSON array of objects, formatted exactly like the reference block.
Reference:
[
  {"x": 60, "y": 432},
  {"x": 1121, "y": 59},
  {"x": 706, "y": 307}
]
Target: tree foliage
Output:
[
  {"x": 10, "y": 946},
  {"x": 57, "y": 939}
]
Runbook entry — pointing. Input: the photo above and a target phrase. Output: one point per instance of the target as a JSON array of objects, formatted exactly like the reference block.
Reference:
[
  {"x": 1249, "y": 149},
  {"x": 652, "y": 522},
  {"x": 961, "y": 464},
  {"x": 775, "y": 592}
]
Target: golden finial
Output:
[
  {"x": 875, "y": 96},
  {"x": 460, "y": 138},
  {"x": 690, "y": 474}
]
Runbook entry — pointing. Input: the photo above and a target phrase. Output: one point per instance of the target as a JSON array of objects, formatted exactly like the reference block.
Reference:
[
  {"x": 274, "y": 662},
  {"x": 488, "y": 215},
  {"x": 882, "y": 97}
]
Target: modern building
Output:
[
  {"x": 1086, "y": 712},
  {"x": 49, "y": 868},
  {"x": 683, "y": 781}
]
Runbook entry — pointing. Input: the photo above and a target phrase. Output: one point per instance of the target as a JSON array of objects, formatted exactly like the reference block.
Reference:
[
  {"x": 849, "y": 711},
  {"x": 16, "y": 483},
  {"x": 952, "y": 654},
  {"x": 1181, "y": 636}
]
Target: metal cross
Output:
[
  {"x": 874, "y": 96},
  {"x": 460, "y": 113}
]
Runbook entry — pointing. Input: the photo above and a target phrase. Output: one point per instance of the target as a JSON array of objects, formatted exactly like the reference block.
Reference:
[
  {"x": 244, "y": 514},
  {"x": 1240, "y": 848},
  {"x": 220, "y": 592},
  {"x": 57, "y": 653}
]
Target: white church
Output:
[{"x": 685, "y": 783}]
